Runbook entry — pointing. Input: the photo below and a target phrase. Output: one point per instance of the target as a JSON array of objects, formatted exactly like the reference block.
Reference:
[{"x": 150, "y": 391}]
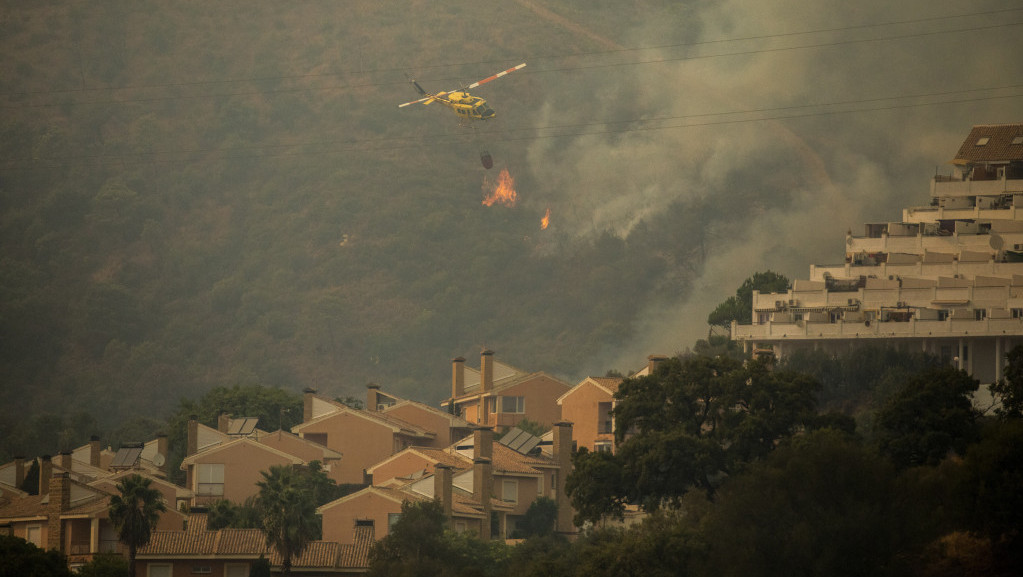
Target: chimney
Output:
[
  {"x": 60, "y": 501},
  {"x": 223, "y": 421},
  {"x": 482, "y": 489},
  {"x": 65, "y": 460},
  {"x": 94, "y": 451},
  {"x": 45, "y": 472},
  {"x": 193, "y": 436},
  {"x": 654, "y": 361},
  {"x": 483, "y": 442},
  {"x": 486, "y": 371},
  {"x": 457, "y": 377},
  {"x": 19, "y": 471},
  {"x": 162, "y": 449},
  {"x": 307, "y": 404},
  {"x": 442, "y": 487},
  {"x": 372, "y": 396},
  {"x": 563, "y": 458}
]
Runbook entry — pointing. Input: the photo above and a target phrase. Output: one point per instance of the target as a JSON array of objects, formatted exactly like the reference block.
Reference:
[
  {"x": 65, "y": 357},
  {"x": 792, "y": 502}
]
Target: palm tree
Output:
[
  {"x": 135, "y": 513},
  {"x": 289, "y": 514}
]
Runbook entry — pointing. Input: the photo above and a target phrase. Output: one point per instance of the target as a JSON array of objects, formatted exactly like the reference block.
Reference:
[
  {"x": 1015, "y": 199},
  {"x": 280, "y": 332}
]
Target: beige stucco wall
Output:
[
  {"x": 428, "y": 420},
  {"x": 362, "y": 443},
  {"x": 243, "y": 465},
  {"x": 302, "y": 449},
  {"x": 582, "y": 408},
  {"x": 339, "y": 520}
]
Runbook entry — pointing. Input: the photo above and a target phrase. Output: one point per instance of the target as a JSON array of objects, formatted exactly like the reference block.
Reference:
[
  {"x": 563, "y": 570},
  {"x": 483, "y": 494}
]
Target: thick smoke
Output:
[{"x": 837, "y": 141}]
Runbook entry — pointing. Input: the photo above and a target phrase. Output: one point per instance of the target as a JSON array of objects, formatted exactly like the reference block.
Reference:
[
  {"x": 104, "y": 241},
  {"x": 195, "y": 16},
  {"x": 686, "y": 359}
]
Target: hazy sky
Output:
[{"x": 799, "y": 120}]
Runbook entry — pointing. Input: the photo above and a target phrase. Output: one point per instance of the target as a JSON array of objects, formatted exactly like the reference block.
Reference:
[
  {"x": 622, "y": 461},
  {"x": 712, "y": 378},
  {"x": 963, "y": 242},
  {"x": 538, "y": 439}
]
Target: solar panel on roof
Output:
[
  {"x": 126, "y": 457},
  {"x": 243, "y": 426},
  {"x": 519, "y": 440}
]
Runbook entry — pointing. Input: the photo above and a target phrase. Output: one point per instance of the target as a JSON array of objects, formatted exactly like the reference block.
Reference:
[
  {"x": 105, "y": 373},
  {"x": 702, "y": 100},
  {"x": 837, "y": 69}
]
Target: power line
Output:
[
  {"x": 510, "y": 135},
  {"x": 533, "y": 70}
]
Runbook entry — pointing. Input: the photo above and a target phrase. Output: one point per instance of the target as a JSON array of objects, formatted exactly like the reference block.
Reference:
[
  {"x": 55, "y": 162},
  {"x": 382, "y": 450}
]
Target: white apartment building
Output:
[{"x": 947, "y": 279}]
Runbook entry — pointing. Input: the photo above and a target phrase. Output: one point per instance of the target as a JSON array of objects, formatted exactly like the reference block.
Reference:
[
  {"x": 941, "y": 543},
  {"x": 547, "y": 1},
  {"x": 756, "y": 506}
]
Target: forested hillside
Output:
[{"x": 196, "y": 195}]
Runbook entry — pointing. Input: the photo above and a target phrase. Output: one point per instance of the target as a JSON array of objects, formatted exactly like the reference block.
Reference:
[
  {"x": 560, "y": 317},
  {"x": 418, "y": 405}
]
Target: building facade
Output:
[{"x": 946, "y": 280}]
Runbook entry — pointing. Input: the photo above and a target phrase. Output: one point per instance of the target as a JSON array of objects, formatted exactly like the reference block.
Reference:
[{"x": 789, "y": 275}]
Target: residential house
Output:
[
  {"x": 447, "y": 428},
  {"x": 231, "y": 470},
  {"x": 362, "y": 437},
  {"x": 459, "y": 475},
  {"x": 196, "y": 550},
  {"x": 499, "y": 396},
  {"x": 70, "y": 517},
  {"x": 306, "y": 450},
  {"x": 588, "y": 407}
]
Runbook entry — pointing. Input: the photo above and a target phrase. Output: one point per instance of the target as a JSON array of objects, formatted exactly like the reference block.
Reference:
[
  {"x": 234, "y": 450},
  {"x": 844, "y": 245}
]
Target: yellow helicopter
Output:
[{"x": 465, "y": 105}]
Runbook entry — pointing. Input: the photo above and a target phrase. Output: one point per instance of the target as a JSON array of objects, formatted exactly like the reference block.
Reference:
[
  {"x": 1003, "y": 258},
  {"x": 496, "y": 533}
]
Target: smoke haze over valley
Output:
[{"x": 203, "y": 195}]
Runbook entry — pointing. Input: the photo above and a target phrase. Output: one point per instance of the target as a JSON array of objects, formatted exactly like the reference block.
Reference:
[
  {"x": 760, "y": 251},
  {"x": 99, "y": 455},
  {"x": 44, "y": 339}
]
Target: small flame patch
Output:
[
  {"x": 503, "y": 192},
  {"x": 546, "y": 220}
]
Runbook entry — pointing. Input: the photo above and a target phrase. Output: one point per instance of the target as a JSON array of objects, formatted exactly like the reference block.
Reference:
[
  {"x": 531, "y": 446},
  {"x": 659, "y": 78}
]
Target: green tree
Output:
[
  {"x": 740, "y": 307},
  {"x": 289, "y": 514},
  {"x": 415, "y": 545},
  {"x": 1009, "y": 390},
  {"x": 538, "y": 520},
  {"x": 665, "y": 544},
  {"x": 931, "y": 416},
  {"x": 105, "y": 565},
  {"x": 819, "y": 505},
  {"x": 685, "y": 426},
  {"x": 23, "y": 559},
  {"x": 135, "y": 513}
]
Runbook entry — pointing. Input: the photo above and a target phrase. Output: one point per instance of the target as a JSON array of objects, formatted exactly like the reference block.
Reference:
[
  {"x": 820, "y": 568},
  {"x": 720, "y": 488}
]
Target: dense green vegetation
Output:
[
  {"x": 197, "y": 196},
  {"x": 808, "y": 499}
]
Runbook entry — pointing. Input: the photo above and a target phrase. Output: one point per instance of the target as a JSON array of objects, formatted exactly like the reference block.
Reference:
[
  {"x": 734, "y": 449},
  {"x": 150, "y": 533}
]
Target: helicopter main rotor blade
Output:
[
  {"x": 424, "y": 100},
  {"x": 496, "y": 76}
]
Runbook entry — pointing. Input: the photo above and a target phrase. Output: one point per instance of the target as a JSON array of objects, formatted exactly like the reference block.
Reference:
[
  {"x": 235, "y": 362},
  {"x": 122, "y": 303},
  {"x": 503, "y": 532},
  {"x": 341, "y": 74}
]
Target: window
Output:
[
  {"x": 1017, "y": 140},
  {"x": 980, "y": 314},
  {"x": 602, "y": 447},
  {"x": 983, "y": 140},
  {"x": 392, "y": 518},
  {"x": 210, "y": 480},
  {"x": 513, "y": 404},
  {"x": 202, "y": 569},
  {"x": 604, "y": 422},
  {"x": 236, "y": 570},
  {"x": 159, "y": 570},
  {"x": 510, "y": 490},
  {"x": 539, "y": 485},
  {"x": 34, "y": 535}
]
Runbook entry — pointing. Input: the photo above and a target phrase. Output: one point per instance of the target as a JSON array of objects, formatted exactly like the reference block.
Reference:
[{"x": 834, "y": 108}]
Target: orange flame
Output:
[
  {"x": 503, "y": 192},
  {"x": 546, "y": 219}
]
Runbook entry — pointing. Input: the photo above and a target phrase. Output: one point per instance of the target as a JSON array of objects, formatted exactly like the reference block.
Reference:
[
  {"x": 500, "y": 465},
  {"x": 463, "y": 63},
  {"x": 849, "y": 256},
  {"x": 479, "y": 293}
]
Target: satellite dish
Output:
[{"x": 159, "y": 460}]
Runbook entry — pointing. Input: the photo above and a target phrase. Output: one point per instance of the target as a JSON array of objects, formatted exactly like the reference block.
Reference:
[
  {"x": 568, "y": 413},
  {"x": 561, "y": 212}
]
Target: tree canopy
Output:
[
  {"x": 135, "y": 513},
  {"x": 687, "y": 424},
  {"x": 289, "y": 513},
  {"x": 740, "y": 307},
  {"x": 932, "y": 415}
]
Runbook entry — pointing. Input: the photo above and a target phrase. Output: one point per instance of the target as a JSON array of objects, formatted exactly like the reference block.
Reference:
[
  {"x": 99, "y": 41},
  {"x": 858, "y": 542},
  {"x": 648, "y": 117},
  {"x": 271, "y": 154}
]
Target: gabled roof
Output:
[
  {"x": 992, "y": 143},
  {"x": 504, "y": 384},
  {"x": 396, "y": 425},
  {"x": 181, "y": 492},
  {"x": 328, "y": 453},
  {"x": 191, "y": 459},
  {"x": 505, "y": 461},
  {"x": 454, "y": 420},
  {"x": 607, "y": 384},
  {"x": 428, "y": 454}
]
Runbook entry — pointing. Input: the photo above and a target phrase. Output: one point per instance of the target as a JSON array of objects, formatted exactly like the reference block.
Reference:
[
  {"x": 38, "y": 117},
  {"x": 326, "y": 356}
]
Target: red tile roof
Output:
[{"x": 997, "y": 147}]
